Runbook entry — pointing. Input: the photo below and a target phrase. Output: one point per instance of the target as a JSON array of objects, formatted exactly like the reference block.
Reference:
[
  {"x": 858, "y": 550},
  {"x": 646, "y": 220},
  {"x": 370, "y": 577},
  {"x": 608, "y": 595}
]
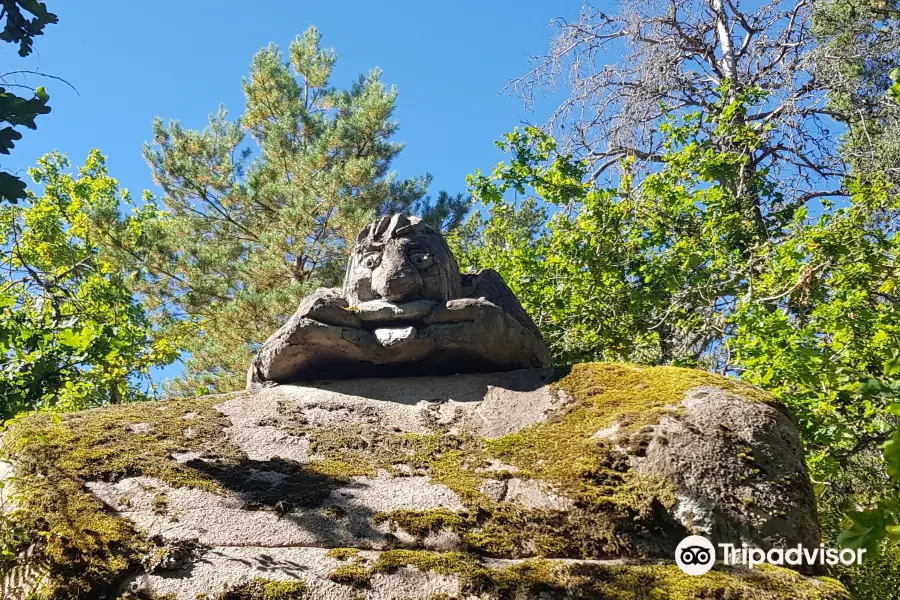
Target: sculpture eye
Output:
[
  {"x": 422, "y": 260},
  {"x": 371, "y": 260}
]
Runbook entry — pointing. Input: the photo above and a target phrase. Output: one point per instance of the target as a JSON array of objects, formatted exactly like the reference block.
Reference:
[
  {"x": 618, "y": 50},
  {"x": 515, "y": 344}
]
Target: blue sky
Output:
[{"x": 133, "y": 60}]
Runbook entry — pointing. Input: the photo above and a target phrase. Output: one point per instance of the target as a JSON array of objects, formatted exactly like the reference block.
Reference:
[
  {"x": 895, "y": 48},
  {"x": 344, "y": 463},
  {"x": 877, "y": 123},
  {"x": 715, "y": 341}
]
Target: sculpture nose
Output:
[{"x": 397, "y": 282}]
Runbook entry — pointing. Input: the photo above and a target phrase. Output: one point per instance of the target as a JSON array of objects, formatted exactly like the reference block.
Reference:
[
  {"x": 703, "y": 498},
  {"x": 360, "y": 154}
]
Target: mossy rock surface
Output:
[{"x": 573, "y": 481}]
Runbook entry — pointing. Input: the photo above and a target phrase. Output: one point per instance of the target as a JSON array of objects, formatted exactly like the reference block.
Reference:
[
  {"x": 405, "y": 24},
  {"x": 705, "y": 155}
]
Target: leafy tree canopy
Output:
[{"x": 71, "y": 333}]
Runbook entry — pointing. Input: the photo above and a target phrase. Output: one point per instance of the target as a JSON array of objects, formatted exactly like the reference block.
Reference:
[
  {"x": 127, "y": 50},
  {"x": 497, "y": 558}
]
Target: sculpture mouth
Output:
[
  {"x": 393, "y": 324},
  {"x": 381, "y": 314}
]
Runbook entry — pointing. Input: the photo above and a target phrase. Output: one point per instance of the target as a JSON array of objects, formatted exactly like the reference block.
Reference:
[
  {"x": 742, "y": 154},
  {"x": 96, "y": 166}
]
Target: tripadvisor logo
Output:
[{"x": 696, "y": 555}]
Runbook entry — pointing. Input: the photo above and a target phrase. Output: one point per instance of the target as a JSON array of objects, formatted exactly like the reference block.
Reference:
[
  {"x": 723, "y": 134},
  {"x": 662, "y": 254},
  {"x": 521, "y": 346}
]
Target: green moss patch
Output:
[
  {"x": 561, "y": 449},
  {"x": 133, "y": 439},
  {"x": 343, "y": 553},
  {"x": 85, "y": 548},
  {"x": 637, "y": 582},
  {"x": 359, "y": 449},
  {"x": 353, "y": 574},
  {"x": 581, "y": 580},
  {"x": 265, "y": 589}
]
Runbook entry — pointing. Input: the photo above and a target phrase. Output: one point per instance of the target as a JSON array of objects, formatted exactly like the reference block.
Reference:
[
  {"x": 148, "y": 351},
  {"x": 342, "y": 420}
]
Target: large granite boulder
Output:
[
  {"x": 565, "y": 483},
  {"x": 405, "y": 309}
]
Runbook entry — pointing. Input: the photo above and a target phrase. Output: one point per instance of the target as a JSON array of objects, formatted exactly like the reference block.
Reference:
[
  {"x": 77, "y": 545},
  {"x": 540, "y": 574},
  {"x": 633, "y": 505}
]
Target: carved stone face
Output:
[{"x": 400, "y": 259}]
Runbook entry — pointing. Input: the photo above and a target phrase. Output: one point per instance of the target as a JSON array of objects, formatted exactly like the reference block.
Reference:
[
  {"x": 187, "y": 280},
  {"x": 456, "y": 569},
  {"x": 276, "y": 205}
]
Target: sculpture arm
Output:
[
  {"x": 327, "y": 305},
  {"x": 487, "y": 284},
  {"x": 325, "y": 308}
]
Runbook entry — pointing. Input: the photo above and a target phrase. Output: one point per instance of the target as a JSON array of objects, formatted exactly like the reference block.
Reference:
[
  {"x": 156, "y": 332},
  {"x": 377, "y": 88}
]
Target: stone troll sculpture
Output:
[{"x": 405, "y": 309}]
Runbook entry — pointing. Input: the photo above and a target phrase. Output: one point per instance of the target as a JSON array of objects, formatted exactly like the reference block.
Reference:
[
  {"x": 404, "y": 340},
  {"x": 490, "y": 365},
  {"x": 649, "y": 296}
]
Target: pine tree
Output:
[{"x": 242, "y": 232}]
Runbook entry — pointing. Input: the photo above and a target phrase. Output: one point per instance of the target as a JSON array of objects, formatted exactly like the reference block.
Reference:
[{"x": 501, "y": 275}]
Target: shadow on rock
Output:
[
  {"x": 277, "y": 484},
  {"x": 323, "y": 505},
  {"x": 462, "y": 388}
]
